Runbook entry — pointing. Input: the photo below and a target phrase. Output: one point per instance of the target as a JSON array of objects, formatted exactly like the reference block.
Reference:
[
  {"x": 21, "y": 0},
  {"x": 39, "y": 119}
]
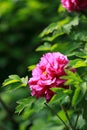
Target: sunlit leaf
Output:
[
  {"x": 61, "y": 96},
  {"x": 78, "y": 63},
  {"x": 31, "y": 67},
  {"x": 45, "y": 47},
  {"x": 11, "y": 79},
  {"x": 79, "y": 93},
  {"x": 14, "y": 82},
  {"x": 72, "y": 78}
]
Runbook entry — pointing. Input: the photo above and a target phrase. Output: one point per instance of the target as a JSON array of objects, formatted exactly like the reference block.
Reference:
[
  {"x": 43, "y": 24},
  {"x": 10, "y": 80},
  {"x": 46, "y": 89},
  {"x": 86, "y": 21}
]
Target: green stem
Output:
[
  {"x": 57, "y": 116},
  {"x": 76, "y": 120},
  {"x": 66, "y": 114}
]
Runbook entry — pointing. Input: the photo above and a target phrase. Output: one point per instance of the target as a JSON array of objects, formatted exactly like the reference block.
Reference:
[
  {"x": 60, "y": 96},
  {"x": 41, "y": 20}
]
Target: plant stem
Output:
[
  {"x": 73, "y": 127},
  {"x": 76, "y": 120},
  {"x": 57, "y": 116}
]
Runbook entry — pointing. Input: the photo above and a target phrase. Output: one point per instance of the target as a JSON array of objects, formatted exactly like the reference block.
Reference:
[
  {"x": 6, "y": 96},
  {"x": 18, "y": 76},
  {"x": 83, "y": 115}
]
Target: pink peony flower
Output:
[
  {"x": 47, "y": 75},
  {"x": 74, "y": 5}
]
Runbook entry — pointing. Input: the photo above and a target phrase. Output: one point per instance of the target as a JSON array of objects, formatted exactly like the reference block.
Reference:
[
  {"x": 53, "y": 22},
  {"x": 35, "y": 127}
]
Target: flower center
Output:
[{"x": 45, "y": 73}]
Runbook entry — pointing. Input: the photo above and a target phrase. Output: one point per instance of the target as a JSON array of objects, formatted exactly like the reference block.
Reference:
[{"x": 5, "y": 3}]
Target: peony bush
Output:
[{"x": 57, "y": 97}]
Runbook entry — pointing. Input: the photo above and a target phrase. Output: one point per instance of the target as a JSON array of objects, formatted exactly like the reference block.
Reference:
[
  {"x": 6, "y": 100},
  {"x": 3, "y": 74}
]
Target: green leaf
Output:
[
  {"x": 58, "y": 90},
  {"x": 81, "y": 122},
  {"x": 79, "y": 93},
  {"x": 72, "y": 78},
  {"x": 57, "y": 29},
  {"x": 14, "y": 82},
  {"x": 39, "y": 104},
  {"x": 85, "y": 49},
  {"x": 49, "y": 29},
  {"x": 11, "y": 79},
  {"x": 54, "y": 26},
  {"x": 61, "y": 113},
  {"x": 60, "y": 127},
  {"x": 66, "y": 47},
  {"x": 54, "y": 35},
  {"x": 45, "y": 126},
  {"x": 27, "y": 113},
  {"x": 24, "y": 80},
  {"x": 67, "y": 27},
  {"x": 78, "y": 63},
  {"x": 39, "y": 124},
  {"x": 61, "y": 96},
  {"x": 81, "y": 54},
  {"x": 82, "y": 34},
  {"x": 23, "y": 103},
  {"x": 31, "y": 67},
  {"x": 45, "y": 47},
  {"x": 76, "y": 96}
]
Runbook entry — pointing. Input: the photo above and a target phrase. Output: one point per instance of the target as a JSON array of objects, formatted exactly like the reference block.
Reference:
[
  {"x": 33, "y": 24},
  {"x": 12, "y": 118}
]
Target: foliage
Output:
[{"x": 67, "y": 34}]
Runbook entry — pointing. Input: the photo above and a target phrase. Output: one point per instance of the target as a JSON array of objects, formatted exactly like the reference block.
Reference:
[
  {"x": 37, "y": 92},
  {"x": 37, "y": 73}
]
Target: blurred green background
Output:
[{"x": 21, "y": 22}]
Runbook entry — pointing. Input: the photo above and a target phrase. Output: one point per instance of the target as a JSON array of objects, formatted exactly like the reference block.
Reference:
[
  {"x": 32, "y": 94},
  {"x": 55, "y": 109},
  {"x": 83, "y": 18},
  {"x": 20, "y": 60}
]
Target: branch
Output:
[
  {"x": 77, "y": 120},
  {"x": 57, "y": 116},
  {"x": 73, "y": 128}
]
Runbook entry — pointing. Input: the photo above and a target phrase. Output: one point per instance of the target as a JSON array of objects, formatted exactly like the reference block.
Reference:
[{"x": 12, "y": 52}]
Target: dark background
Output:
[{"x": 21, "y": 22}]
